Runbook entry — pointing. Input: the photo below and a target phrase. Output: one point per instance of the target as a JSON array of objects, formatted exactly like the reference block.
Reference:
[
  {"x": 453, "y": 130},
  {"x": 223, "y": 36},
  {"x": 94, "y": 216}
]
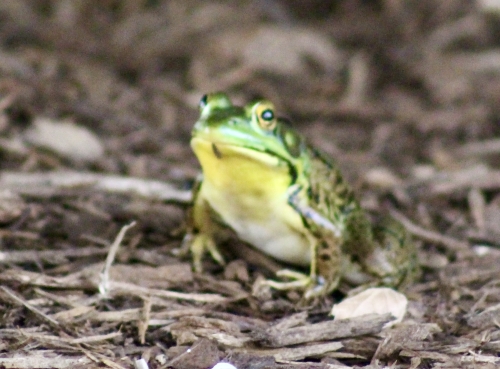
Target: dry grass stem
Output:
[{"x": 104, "y": 276}]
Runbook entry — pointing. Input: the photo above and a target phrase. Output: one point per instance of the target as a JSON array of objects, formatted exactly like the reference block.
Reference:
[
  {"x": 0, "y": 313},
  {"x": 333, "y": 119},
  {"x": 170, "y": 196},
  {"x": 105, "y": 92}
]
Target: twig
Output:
[
  {"x": 46, "y": 184},
  {"x": 448, "y": 242},
  {"x": 477, "y": 205},
  {"x": 143, "y": 323},
  {"x": 28, "y": 306},
  {"x": 117, "y": 287},
  {"x": 480, "y": 178},
  {"x": 108, "y": 362},
  {"x": 324, "y": 331},
  {"x": 39, "y": 359},
  {"x": 70, "y": 341},
  {"x": 486, "y": 147},
  {"x": 300, "y": 353},
  {"x": 54, "y": 256},
  {"x": 96, "y": 338},
  {"x": 104, "y": 276},
  {"x": 75, "y": 282},
  {"x": 19, "y": 234}
]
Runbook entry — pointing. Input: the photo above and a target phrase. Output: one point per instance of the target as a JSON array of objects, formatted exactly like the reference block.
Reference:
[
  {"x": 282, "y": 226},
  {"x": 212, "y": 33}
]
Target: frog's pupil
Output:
[
  {"x": 267, "y": 115},
  {"x": 203, "y": 101}
]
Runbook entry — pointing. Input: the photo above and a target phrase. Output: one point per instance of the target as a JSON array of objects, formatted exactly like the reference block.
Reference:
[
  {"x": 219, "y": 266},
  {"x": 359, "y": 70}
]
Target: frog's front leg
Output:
[
  {"x": 325, "y": 240},
  {"x": 201, "y": 235}
]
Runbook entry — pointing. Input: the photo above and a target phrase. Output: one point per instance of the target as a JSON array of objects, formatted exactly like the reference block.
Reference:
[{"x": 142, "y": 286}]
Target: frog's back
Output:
[
  {"x": 333, "y": 196},
  {"x": 384, "y": 251}
]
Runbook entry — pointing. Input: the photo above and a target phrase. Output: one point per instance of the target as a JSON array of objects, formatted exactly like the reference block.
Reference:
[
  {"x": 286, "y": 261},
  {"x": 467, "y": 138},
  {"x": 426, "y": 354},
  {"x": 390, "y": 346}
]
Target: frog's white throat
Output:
[{"x": 249, "y": 190}]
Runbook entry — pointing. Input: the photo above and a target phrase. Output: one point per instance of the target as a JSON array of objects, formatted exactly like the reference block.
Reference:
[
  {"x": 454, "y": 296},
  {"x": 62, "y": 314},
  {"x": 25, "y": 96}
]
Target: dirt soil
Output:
[{"x": 97, "y": 101}]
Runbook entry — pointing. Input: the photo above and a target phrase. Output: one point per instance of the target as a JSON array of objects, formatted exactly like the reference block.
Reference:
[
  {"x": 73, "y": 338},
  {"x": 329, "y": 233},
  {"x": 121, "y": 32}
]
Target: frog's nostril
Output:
[{"x": 216, "y": 151}]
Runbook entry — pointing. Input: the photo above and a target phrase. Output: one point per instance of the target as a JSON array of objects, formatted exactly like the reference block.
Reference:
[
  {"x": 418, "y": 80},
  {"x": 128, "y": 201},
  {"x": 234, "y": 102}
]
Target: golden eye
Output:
[{"x": 265, "y": 116}]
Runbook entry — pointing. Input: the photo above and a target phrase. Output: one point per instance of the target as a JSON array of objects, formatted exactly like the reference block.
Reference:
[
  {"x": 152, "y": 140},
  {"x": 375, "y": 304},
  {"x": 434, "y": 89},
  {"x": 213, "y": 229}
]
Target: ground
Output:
[{"x": 403, "y": 94}]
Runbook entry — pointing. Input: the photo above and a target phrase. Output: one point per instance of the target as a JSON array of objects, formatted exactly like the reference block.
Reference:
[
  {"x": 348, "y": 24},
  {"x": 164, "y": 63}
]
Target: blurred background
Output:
[
  {"x": 404, "y": 94},
  {"x": 387, "y": 82}
]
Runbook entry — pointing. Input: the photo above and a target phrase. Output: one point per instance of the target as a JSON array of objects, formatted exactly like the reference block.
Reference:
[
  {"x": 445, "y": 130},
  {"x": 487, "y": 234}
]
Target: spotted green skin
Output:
[{"x": 263, "y": 181}]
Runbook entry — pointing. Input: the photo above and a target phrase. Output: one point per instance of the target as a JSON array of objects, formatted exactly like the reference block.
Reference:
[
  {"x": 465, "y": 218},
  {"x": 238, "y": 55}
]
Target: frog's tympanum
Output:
[{"x": 282, "y": 196}]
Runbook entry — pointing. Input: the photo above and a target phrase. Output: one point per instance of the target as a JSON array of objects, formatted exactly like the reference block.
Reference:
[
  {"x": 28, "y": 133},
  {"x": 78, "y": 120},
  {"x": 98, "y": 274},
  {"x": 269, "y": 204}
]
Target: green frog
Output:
[{"x": 264, "y": 182}]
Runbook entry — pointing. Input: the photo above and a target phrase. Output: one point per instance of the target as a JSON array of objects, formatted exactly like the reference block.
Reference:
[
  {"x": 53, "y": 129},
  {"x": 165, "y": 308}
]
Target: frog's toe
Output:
[
  {"x": 214, "y": 252},
  {"x": 313, "y": 286},
  {"x": 199, "y": 244},
  {"x": 296, "y": 281},
  {"x": 293, "y": 274},
  {"x": 286, "y": 286}
]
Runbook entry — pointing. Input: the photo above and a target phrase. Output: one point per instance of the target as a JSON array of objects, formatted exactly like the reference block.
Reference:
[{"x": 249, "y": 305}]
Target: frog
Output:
[{"x": 263, "y": 181}]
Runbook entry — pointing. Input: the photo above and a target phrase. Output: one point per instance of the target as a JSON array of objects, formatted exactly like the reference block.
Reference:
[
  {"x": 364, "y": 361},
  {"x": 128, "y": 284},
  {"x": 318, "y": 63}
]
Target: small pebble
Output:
[
  {"x": 141, "y": 364},
  {"x": 224, "y": 366},
  {"x": 66, "y": 139}
]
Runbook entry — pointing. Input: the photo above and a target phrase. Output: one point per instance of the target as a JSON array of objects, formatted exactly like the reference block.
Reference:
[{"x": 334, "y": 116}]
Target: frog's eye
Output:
[
  {"x": 213, "y": 101},
  {"x": 264, "y": 112}
]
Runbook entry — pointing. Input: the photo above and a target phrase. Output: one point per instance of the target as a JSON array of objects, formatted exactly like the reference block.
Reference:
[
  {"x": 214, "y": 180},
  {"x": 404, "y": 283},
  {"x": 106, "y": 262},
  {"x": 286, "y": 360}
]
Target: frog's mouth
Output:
[
  {"x": 228, "y": 137},
  {"x": 223, "y": 151}
]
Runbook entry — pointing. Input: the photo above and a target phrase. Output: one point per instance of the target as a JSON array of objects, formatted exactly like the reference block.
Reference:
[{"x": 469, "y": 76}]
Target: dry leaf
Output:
[{"x": 373, "y": 301}]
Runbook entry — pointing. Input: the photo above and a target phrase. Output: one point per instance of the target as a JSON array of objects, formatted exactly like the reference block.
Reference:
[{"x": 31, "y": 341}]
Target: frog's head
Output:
[{"x": 254, "y": 126}]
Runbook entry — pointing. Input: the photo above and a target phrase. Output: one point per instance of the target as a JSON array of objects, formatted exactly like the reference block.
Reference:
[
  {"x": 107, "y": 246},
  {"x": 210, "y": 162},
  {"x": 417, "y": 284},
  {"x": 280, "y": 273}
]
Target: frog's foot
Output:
[
  {"x": 199, "y": 244},
  {"x": 313, "y": 286},
  {"x": 298, "y": 280}
]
